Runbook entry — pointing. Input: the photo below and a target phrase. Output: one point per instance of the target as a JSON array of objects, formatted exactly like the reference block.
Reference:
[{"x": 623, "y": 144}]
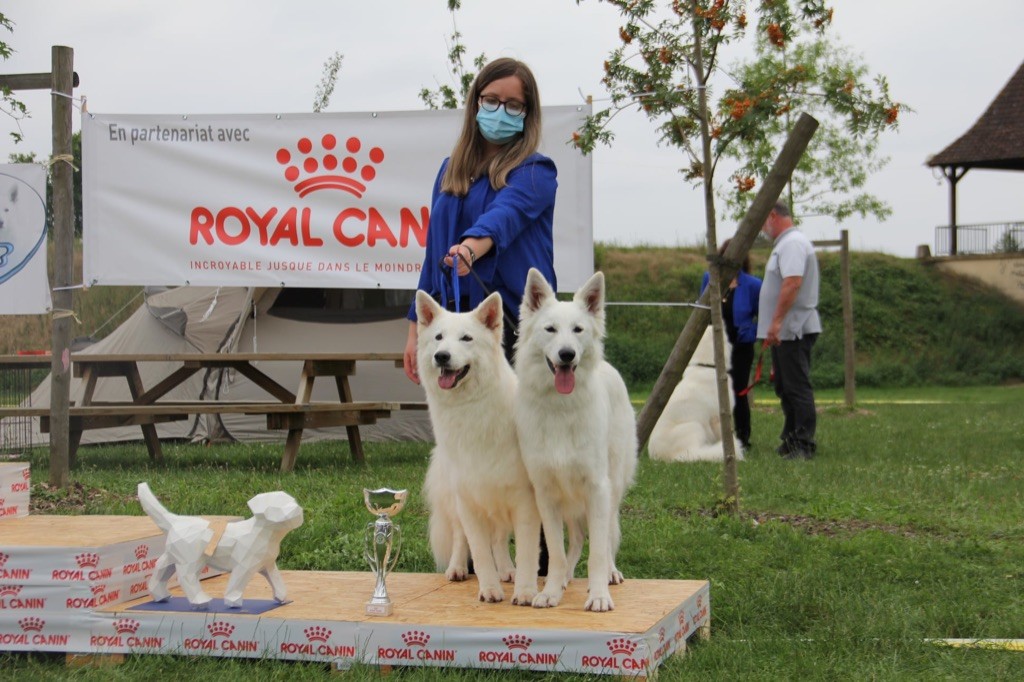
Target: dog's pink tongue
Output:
[
  {"x": 565, "y": 380},
  {"x": 447, "y": 379}
]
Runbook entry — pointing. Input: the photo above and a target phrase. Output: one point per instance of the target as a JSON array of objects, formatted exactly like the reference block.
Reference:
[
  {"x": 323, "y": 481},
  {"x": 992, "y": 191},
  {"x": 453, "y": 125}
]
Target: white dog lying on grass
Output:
[{"x": 690, "y": 427}]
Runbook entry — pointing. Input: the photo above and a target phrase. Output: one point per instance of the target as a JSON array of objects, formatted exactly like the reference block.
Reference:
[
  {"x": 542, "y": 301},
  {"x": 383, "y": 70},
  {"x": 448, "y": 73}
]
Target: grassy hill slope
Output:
[{"x": 913, "y": 324}]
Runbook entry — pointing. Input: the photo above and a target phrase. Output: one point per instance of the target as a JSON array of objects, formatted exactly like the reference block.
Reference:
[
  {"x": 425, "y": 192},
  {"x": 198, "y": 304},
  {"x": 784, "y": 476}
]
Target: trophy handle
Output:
[{"x": 396, "y": 548}]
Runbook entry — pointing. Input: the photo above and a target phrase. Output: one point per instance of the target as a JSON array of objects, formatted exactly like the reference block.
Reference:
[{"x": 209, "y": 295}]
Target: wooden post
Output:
[
  {"x": 953, "y": 175},
  {"x": 62, "y": 79},
  {"x": 849, "y": 362},
  {"x": 740, "y": 245}
]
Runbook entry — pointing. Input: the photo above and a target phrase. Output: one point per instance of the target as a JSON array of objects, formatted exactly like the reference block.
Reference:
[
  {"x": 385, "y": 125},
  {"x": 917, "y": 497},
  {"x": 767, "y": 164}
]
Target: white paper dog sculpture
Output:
[{"x": 246, "y": 548}]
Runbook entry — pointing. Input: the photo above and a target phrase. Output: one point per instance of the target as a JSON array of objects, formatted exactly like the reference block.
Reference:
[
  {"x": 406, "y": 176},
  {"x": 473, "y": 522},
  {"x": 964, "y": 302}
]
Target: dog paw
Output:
[
  {"x": 602, "y": 603},
  {"x": 507, "y": 575},
  {"x": 616, "y": 577},
  {"x": 546, "y": 600},
  {"x": 491, "y": 595},
  {"x": 524, "y": 597},
  {"x": 457, "y": 574}
]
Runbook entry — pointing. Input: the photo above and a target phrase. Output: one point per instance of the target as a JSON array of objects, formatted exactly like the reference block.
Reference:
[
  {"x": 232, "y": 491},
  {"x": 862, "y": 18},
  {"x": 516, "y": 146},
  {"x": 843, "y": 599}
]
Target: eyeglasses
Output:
[{"x": 513, "y": 107}]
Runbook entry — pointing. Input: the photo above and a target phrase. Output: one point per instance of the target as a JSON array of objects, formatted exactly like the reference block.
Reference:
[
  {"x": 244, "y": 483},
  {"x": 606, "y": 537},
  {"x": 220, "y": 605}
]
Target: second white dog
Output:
[
  {"x": 690, "y": 427},
  {"x": 576, "y": 429},
  {"x": 476, "y": 482}
]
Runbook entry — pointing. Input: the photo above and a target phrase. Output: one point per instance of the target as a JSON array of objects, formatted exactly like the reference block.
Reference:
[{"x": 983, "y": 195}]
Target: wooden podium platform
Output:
[{"x": 71, "y": 584}]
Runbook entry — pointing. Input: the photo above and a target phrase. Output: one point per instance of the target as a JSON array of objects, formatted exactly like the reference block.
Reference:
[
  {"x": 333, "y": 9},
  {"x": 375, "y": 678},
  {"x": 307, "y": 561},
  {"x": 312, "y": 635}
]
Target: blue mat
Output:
[{"x": 250, "y": 607}]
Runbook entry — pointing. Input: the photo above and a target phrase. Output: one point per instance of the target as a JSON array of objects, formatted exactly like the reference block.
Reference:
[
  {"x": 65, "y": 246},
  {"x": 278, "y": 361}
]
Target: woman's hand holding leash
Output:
[{"x": 464, "y": 255}]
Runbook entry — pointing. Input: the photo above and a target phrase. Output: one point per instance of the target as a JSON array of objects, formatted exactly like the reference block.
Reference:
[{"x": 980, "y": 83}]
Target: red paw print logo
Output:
[
  {"x": 348, "y": 167},
  {"x": 621, "y": 646},
  {"x": 517, "y": 642},
  {"x": 415, "y": 638},
  {"x": 126, "y": 626},
  {"x": 317, "y": 633},
  {"x": 32, "y": 624},
  {"x": 219, "y": 628},
  {"x": 87, "y": 560}
]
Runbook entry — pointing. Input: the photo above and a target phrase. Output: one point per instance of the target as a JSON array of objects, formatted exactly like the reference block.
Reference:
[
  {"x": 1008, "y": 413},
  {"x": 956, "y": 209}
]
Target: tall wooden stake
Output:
[
  {"x": 62, "y": 83},
  {"x": 849, "y": 361}
]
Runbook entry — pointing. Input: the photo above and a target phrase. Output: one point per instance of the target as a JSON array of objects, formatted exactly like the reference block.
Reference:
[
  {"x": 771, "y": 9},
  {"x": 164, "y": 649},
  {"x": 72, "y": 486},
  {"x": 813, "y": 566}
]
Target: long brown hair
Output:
[{"x": 468, "y": 158}]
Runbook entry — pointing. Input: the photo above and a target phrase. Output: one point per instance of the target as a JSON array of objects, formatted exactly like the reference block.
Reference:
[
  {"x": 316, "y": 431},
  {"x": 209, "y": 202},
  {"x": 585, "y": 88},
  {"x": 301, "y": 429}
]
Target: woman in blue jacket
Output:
[
  {"x": 493, "y": 202},
  {"x": 739, "y": 312}
]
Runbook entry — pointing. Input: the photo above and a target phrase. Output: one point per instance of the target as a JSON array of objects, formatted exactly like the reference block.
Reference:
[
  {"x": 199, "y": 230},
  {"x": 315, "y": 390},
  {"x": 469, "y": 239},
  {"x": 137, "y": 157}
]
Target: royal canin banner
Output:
[
  {"x": 15, "y": 489},
  {"x": 310, "y": 200}
]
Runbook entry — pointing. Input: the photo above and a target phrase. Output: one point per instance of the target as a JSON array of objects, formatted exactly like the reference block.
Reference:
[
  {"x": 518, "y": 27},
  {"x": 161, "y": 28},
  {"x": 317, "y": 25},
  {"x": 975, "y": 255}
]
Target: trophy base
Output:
[{"x": 378, "y": 609}]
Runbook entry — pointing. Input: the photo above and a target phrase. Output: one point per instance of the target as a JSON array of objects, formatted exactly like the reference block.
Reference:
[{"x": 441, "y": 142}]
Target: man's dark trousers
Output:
[{"x": 791, "y": 361}]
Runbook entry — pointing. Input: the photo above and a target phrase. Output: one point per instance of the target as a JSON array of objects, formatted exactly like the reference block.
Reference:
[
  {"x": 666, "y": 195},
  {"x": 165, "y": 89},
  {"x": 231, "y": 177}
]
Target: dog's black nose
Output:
[
  {"x": 442, "y": 358},
  {"x": 567, "y": 355}
]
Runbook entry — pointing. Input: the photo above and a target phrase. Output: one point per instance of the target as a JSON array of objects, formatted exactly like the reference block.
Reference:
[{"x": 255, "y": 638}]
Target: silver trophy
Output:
[{"x": 383, "y": 543}]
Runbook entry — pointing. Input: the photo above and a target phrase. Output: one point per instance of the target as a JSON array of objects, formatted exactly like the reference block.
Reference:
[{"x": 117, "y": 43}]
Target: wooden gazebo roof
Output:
[{"x": 996, "y": 140}]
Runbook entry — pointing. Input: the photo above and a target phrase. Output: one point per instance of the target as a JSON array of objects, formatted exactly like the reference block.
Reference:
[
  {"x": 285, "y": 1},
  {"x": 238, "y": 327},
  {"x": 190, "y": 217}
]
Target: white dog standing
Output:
[
  {"x": 690, "y": 427},
  {"x": 476, "y": 482},
  {"x": 577, "y": 431}
]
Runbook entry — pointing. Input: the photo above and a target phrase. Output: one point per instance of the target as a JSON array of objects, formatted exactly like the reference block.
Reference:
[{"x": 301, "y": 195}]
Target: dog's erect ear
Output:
[
  {"x": 426, "y": 308},
  {"x": 489, "y": 313},
  {"x": 591, "y": 294},
  {"x": 537, "y": 292}
]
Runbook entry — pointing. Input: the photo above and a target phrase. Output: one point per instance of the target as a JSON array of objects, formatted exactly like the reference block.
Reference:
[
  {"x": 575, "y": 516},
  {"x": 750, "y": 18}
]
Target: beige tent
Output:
[{"x": 239, "y": 319}]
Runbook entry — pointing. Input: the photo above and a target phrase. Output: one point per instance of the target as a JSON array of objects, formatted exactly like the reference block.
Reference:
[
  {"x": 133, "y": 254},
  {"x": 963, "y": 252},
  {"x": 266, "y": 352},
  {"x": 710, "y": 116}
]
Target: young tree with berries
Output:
[{"x": 668, "y": 66}]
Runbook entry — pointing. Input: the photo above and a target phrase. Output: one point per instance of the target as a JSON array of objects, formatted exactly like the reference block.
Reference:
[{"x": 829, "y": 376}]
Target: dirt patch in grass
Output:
[
  {"x": 75, "y": 499},
  {"x": 811, "y": 525},
  {"x": 829, "y": 527}
]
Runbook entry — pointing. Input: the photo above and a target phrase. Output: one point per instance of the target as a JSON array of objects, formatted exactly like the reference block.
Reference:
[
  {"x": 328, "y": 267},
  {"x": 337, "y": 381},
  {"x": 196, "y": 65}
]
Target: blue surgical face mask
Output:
[{"x": 497, "y": 126}]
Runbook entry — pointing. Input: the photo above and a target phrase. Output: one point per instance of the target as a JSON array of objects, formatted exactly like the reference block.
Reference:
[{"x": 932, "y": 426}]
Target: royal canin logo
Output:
[
  {"x": 620, "y": 646},
  {"x": 126, "y": 626},
  {"x": 415, "y": 638},
  {"x": 26, "y": 474},
  {"x": 3, "y": 559},
  {"x": 219, "y": 628},
  {"x": 317, "y": 633},
  {"x": 141, "y": 552},
  {"x": 661, "y": 635},
  {"x": 318, "y": 644},
  {"x": 32, "y": 624},
  {"x": 517, "y": 653},
  {"x": 10, "y": 590},
  {"x": 621, "y": 658},
  {"x": 97, "y": 589},
  {"x": 312, "y": 169},
  {"x": 311, "y": 166},
  {"x": 87, "y": 560},
  {"x": 517, "y": 642}
]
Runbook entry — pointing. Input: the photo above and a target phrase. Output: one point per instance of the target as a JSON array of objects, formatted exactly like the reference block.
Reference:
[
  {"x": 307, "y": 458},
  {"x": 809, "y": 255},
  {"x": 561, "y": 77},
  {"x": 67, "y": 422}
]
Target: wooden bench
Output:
[{"x": 292, "y": 411}]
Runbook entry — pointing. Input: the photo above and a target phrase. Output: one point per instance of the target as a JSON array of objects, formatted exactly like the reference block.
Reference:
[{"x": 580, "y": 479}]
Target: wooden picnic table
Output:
[{"x": 286, "y": 410}]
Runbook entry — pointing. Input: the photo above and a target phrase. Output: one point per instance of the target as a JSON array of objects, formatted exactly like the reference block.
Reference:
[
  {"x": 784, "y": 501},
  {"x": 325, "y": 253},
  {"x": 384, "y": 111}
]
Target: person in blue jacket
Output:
[
  {"x": 739, "y": 312},
  {"x": 493, "y": 203}
]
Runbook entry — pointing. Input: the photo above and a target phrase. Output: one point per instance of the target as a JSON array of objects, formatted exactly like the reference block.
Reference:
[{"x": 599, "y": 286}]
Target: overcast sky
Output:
[{"x": 946, "y": 59}]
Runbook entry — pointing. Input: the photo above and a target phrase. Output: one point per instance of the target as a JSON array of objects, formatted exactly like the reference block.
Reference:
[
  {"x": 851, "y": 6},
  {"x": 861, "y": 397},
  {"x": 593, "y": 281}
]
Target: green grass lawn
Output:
[{"x": 906, "y": 527}]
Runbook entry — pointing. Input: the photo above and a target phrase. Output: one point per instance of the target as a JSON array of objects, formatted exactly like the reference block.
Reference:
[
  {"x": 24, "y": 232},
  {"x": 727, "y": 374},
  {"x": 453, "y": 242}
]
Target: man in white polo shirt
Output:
[{"x": 790, "y": 324}]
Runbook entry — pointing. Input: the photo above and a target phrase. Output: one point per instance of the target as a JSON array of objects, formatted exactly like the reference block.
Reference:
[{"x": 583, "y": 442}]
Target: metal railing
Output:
[{"x": 980, "y": 238}]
